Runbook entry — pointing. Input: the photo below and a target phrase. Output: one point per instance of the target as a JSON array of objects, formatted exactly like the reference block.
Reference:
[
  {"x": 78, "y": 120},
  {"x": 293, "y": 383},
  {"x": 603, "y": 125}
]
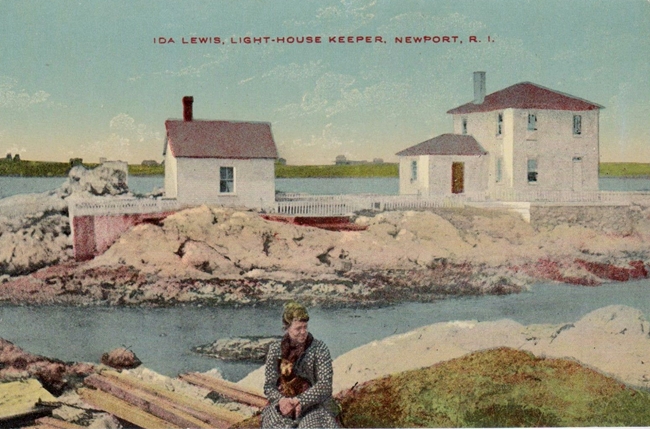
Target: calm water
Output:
[
  {"x": 162, "y": 338},
  {"x": 325, "y": 186}
]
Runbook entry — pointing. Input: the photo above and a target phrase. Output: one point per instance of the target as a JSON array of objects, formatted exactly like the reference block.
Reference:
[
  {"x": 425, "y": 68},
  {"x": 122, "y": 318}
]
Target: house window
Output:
[
  {"x": 414, "y": 171},
  {"x": 226, "y": 180},
  {"x": 532, "y": 171},
  {"x": 464, "y": 125},
  {"x": 577, "y": 125},
  {"x": 532, "y": 122},
  {"x": 499, "y": 174},
  {"x": 499, "y": 124}
]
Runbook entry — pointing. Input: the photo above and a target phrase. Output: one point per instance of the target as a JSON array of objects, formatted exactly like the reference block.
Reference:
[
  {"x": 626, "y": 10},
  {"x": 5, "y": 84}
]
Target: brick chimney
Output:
[
  {"x": 479, "y": 87},
  {"x": 187, "y": 108}
]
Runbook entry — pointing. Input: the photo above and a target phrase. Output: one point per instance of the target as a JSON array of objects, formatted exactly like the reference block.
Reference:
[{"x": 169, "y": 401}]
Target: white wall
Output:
[
  {"x": 419, "y": 186},
  {"x": 553, "y": 145},
  {"x": 171, "y": 169},
  {"x": 198, "y": 182},
  {"x": 475, "y": 169},
  {"x": 434, "y": 174}
]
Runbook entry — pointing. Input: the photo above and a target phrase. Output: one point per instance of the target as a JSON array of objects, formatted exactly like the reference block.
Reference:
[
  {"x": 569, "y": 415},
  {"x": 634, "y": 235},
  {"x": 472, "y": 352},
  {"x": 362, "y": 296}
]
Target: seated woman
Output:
[{"x": 306, "y": 379}]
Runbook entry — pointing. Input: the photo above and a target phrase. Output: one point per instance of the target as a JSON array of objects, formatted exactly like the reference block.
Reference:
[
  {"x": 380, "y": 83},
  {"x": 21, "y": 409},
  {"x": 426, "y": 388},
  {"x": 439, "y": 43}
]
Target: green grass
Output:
[
  {"x": 624, "y": 169},
  {"x": 33, "y": 168},
  {"x": 496, "y": 388},
  {"x": 146, "y": 170},
  {"x": 358, "y": 170},
  {"x": 54, "y": 169},
  {"x": 61, "y": 169}
]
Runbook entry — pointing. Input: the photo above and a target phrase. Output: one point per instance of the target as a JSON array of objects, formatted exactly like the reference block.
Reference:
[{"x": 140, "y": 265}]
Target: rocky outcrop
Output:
[
  {"x": 614, "y": 340},
  {"x": 35, "y": 228},
  {"x": 121, "y": 358},
  {"x": 224, "y": 256},
  {"x": 237, "y": 348},
  {"x": 54, "y": 375},
  {"x": 103, "y": 180}
]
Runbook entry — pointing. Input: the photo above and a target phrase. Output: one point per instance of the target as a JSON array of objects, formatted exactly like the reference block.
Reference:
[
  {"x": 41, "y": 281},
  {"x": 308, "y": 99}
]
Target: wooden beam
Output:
[
  {"x": 159, "y": 407},
  {"x": 213, "y": 414},
  {"x": 123, "y": 410},
  {"x": 225, "y": 388}
]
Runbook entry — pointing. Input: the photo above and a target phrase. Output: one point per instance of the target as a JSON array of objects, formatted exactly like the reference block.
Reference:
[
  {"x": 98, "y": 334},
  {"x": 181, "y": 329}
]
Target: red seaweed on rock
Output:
[
  {"x": 551, "y": 270},
  {"x": 612, "y": 272}
]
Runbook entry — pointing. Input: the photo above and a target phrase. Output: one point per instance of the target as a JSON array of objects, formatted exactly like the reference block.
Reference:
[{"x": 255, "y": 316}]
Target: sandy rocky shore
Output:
[
  {"x": 613, "y": 340},
  {"x": 229, "y": 256}
]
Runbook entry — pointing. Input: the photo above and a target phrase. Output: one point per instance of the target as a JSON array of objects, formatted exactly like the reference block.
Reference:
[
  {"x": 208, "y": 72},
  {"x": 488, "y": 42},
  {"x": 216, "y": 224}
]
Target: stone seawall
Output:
[{"x": 610, "y": 219}]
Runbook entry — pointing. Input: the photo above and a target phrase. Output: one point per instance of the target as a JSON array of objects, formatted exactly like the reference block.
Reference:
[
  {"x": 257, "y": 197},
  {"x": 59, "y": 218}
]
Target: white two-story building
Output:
[{"x": 533, "y": 138}]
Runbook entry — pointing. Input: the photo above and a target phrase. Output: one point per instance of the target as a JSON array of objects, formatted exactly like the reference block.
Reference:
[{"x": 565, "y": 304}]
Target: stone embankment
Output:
[{"x": 226, "y": 256}]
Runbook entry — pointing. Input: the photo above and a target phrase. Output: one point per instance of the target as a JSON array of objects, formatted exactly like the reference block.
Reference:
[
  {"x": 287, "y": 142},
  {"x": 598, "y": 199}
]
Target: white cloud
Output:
[
  {"x": 352, "y": 13},
  {"x": 327, "y": 87},
  {"x": 294, "y": 71},
  {"x": 418, "y": 23},
  {"x": 245, "y": 81},
  {"x": 18, "y": 99},
  {"x": 14, "y": 149},
  {"x": 337, "y": 93},
  {"x": 328, "y": 139},
  {"x": 124, "y": 134},
  {"x": 343, "y": 17},
  {"x": 122, "y": 122}
]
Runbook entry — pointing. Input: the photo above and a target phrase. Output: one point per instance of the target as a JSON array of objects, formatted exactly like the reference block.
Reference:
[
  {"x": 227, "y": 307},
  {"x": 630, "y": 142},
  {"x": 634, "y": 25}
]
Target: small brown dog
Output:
[{"x": 289, "y": 384}]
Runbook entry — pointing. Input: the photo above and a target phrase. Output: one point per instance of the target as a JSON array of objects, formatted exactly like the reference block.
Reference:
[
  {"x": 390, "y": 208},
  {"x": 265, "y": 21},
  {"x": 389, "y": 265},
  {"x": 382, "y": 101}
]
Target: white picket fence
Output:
[
  {"x": 565, "y": 196},
  {"x": 340, "y": 205},
  {"x": 117, "y": 206}
]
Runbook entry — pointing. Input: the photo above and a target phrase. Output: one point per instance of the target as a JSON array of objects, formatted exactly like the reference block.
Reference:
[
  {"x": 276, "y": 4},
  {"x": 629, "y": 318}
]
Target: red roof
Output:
[
  {"x": 527, "y": 95},
  {"x": 446, "y": 144},
  {"x": 220, "y": 139}
]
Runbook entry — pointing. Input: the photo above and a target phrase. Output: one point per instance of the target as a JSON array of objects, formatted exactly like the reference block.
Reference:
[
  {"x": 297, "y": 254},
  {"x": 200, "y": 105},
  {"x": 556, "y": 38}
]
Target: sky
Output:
[{"x": 95, "y": 78}]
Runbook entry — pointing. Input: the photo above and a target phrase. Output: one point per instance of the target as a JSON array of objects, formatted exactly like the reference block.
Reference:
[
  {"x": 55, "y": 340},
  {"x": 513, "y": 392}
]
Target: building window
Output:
[
  {"x": 532, "y": 122},
  {"x": 226, "y": 180},
  {"x": 464, "y": 125},
  {"x": 499, "y": 174},
  {"x": 577, "y": 125},
  {"x": 414, "y": 171},
  {"x": 532, "y": 171},
  {"x": 499, "y": 124}
]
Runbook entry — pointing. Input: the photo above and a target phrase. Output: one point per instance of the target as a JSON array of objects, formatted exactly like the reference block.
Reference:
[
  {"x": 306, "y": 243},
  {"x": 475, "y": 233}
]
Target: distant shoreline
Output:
[{"x": 24, "y": 168}]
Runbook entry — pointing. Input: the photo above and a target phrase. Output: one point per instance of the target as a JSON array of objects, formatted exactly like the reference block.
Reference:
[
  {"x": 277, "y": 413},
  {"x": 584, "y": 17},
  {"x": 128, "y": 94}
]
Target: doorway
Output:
[
  {"x": 577, "y": 173},
  {"x": 457, "y": 177}
]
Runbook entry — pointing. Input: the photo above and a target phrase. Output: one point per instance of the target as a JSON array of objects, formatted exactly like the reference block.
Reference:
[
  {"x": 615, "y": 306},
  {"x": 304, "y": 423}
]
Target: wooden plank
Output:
[
  {"x": 123, "y": 410},
  {"x": 26, "y": 418},
  {"x": 225, "y": 388},
  {"x": 57, "y": 423},
  {"x": 231, "y": 385},
  {"x": 159, "y": 407},
  {"x": 213, "y": 414},
  {"x": 20, "y": 397}
]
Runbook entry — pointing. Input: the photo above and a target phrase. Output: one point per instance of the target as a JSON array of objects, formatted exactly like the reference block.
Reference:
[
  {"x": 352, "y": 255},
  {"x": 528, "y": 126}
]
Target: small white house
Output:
[
  {"x": 219, "y": 162},
  {"x": 443, "y": 165},
  {"x": 535, "y": 139}
]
